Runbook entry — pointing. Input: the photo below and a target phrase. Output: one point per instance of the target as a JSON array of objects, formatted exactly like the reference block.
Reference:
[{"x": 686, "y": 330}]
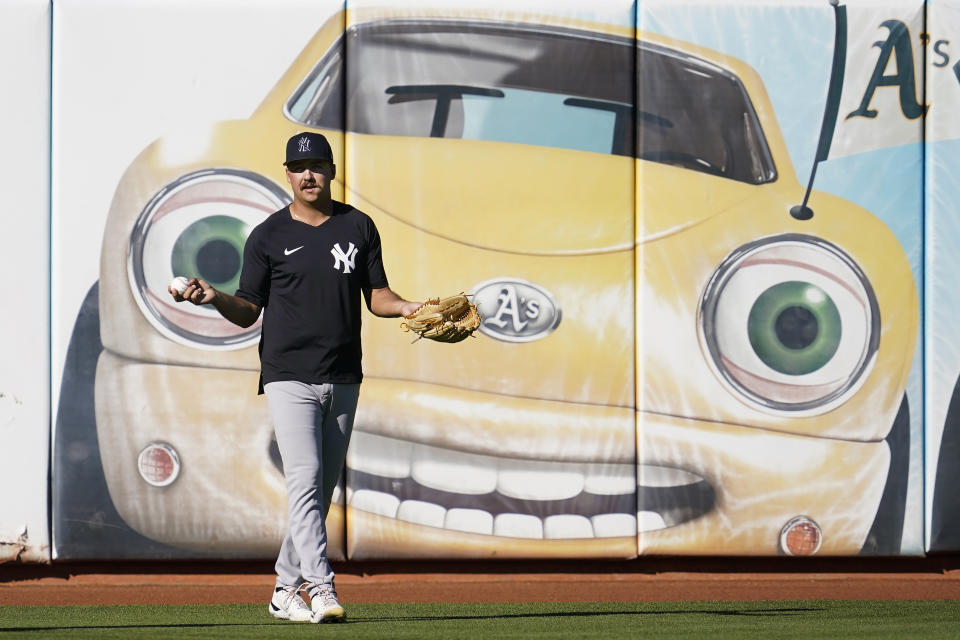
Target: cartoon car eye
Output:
[
  {"x": 197, "y": 226},
  {"x": 791, "y": 323}
]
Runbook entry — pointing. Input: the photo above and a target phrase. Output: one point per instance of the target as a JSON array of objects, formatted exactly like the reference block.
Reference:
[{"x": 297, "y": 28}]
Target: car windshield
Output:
[{"x": 545, "y": 87}]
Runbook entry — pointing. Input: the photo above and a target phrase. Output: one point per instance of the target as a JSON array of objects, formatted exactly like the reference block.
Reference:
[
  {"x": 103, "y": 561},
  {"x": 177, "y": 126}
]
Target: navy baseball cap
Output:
[{"x": 308, "y": 146}]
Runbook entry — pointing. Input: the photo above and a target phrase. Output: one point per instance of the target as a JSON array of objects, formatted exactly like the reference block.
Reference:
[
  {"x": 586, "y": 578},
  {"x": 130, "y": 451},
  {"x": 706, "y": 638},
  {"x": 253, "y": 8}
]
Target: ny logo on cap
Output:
[{"x": 303, "y": 144}]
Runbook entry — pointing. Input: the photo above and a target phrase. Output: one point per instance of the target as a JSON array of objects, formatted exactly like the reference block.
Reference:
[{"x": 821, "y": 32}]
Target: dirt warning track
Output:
[{"x": 659, "y": 579}]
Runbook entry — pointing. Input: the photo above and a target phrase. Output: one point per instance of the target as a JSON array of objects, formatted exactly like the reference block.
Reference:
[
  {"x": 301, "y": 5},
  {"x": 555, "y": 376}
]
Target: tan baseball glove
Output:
[{"x": 443, "y": 319}]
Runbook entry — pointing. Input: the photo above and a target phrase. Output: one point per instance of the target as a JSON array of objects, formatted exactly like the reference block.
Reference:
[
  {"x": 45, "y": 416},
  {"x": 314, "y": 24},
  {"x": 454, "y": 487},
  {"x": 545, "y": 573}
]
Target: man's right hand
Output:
[
  {"x": 198, "y": 292},
  {"x": 237, "y": 310}
]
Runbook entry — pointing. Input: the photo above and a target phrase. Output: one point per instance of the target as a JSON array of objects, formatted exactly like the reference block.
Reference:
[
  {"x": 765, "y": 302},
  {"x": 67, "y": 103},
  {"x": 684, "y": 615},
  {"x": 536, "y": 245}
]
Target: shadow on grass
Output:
[
  {"x": 104, "y": 627},
  {"x": 441, "y": 618},
  {"x": 596, "y": 614}
]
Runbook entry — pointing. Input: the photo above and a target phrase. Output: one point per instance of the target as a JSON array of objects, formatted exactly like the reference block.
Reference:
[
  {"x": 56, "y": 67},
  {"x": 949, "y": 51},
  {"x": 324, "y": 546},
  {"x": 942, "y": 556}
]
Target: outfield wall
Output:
[{"x": 683, "y": 352}]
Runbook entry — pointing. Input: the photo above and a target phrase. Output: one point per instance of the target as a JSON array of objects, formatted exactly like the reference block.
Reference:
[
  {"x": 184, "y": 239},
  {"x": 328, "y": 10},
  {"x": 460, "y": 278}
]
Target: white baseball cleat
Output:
[
  {"x": 287, "y": 604},
  {"x": 323, "y": 600}
]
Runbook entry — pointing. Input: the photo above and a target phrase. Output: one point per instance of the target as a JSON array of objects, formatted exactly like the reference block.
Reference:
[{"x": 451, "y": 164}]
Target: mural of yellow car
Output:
[{"x": 669, "y": 361}]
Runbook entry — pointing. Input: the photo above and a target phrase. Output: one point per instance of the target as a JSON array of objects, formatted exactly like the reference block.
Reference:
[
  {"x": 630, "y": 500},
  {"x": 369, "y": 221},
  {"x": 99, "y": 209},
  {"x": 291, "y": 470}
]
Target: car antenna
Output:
[{"x": 802, "y": 211}]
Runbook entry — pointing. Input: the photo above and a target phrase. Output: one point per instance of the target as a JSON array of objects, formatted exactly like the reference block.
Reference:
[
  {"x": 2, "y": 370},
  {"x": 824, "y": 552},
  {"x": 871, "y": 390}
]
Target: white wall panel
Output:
[
  {"x": 942, "y": 261},
  {"x": 24, "y": 222}
]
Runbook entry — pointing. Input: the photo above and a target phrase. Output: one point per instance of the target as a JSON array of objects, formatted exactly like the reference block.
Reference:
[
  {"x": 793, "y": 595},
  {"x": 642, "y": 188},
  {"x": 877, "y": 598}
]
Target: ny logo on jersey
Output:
[
  {"x": 346, "y": 259},
  {"x": 303, "y": 144}
]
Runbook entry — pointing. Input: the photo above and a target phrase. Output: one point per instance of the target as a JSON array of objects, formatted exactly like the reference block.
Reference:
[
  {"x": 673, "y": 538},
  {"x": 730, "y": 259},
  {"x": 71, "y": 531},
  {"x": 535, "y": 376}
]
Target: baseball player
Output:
[{"x": 305, "y": 267}]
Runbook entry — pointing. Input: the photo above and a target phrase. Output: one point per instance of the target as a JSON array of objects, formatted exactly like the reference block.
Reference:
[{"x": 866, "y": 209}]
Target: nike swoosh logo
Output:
[{"x": 287, "y": 252}]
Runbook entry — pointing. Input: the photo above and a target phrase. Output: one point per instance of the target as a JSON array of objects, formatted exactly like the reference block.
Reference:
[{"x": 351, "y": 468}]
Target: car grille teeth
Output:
[
  {"x": 495, "y": 503},
  {"x": 482, "y": 494}
]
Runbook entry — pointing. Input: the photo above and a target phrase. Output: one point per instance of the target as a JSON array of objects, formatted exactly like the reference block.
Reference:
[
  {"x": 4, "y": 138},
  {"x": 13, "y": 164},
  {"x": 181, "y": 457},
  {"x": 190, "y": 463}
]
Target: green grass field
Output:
[{"x": 774, "y": 619}]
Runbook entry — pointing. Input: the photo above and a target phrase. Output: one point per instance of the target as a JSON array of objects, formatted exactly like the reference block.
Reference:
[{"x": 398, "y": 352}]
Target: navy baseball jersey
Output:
[{"x": 309, "y": 282}]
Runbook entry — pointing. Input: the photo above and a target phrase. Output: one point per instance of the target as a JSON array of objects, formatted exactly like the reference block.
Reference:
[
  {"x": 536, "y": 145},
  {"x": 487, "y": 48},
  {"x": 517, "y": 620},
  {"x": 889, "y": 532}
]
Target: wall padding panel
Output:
[{"x": 24, "y": 251}]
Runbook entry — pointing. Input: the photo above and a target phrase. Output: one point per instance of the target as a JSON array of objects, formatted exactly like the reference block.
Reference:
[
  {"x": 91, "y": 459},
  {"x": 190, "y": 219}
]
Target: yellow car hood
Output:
[
  {"x": 671, "y": 199},
  {"x": 532, "y": 200},
  {"x": 511, "y": 198}
]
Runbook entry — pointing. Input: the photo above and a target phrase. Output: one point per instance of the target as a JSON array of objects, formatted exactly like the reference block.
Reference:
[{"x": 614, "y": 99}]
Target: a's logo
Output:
[
  {"x": 345, "y": 259},
  {"x": 303, "y": 144},
  {"x": 287, "y": 252},
  {"x": 898, "y": 46},
  {"x": 515, "y": 310}
]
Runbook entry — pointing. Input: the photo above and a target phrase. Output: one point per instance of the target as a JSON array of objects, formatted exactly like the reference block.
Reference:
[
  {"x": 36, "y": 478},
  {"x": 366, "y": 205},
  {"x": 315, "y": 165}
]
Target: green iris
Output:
[
  {"x": 212, "y": 249},
  {"x": 794, "y": 327}
]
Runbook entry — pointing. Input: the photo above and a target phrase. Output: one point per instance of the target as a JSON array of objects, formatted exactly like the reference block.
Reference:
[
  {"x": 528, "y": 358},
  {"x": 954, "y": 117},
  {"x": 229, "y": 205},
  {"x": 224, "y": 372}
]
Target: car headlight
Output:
[
  {"x": 791, "y": 323},
  {"x": 196, "y": 226}
]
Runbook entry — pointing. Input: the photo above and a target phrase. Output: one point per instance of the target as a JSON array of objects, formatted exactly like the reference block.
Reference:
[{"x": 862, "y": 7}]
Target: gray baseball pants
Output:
[{"x": 313, "y": 423}]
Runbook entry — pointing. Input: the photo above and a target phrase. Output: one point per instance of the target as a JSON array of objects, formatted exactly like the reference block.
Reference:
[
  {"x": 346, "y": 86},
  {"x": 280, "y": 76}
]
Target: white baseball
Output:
[{"x": 179, "y": 284}]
